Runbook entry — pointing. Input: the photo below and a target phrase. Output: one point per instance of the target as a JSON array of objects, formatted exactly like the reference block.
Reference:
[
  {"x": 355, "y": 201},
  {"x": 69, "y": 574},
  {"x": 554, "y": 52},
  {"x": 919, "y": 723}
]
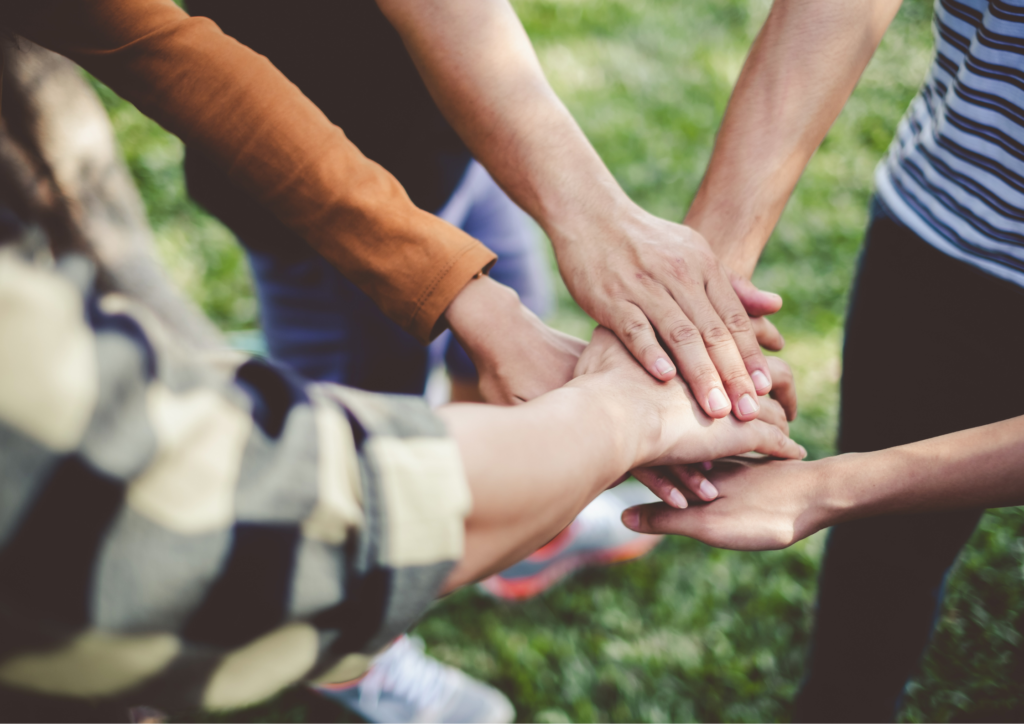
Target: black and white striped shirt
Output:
[{"x": 954, "y": 174}]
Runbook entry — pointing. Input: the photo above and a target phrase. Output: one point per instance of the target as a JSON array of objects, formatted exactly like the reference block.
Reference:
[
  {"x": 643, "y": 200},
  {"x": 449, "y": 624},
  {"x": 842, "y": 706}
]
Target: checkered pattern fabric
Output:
[{"x": 190, "y": 532}]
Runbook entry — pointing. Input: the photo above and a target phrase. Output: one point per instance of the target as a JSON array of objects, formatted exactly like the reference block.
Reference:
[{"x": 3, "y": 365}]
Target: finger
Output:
[
  {"x": 660, "y": 518},
  {"x": 631, "y": 325},
  {"x": 721, "y": 294},
  {"x": 757, "y": 303},
  {"x": 784, "y": 386},
  {"x": 770, "y": 440},
  {"x": 693, "y": 479},
  {"x": 767, "y": 334},
  {"x": 688, "y": 347},
  {"x": 774, "y": 414},
  {"x": 659, "y": 483},
  {"x": 733, "y": 348}
]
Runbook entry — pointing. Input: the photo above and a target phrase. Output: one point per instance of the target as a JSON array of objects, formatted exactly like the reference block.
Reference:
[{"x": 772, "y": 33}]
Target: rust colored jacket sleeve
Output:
[{"x": 232, "y": 103}]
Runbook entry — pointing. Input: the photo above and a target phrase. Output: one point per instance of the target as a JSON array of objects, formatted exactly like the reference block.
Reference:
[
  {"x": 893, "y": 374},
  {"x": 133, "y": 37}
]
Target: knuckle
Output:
[
  {"x": 684, "y": 334},
  {"x": 736, "y": 378},
  {"x": 682, "y": 274},
  {"x": 645, "y": 278},
  {"x": 738, "y": 322},
  {"x": 715, "y": 334},
  {"x": 703, "y": 377},
  {"x": 635, "y": 330}
]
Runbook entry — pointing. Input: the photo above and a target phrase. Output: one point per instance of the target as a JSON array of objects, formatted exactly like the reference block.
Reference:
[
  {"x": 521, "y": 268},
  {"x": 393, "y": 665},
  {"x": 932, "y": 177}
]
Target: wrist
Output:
[
  {"x": 605, "y": 211},
  {"x": 731, "y": 232},
  {"x": 634, "y": 437},
  {"x": 845, "y": 488},
  {"x": 482, "y": 306}
]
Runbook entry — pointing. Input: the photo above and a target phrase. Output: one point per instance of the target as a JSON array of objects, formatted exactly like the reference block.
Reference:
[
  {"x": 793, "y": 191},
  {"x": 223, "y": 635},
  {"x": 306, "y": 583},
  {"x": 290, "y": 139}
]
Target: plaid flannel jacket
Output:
[{"x": 190, "y": 532}]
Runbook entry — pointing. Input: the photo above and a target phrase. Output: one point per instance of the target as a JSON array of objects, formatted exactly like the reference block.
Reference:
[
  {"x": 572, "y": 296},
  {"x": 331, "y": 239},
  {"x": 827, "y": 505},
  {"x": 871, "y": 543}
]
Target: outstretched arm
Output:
[
  {"x": 634, "y": 273},
  {"x": 772, "y": 505},
  {"x": 802, "y": 68}
]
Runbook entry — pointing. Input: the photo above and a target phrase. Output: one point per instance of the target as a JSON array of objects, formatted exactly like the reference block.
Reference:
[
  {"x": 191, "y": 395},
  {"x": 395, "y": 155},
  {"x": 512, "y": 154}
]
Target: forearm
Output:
[
  {"x": 532, "y": 468},
  {"x": 482, "y": 71},
  {"x": 802, "y": 67},
  {"x": 978, "y": 468}
]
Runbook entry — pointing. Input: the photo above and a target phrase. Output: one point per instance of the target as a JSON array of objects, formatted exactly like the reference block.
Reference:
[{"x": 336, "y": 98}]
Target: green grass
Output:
[{"x": 688, "y": 633}]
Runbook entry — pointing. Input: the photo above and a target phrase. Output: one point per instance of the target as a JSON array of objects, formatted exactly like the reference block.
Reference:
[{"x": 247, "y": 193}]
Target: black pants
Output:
[{"x": 932, "y": 346}]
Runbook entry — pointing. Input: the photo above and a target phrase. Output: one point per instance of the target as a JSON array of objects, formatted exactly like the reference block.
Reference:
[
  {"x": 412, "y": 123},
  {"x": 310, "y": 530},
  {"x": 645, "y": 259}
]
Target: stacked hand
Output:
[
  {"x": 678, "y": 485},
  {"x": 660, "y": 288},
  {"x": 761, "y": 505},
  {"x": 675, "y": 431}
]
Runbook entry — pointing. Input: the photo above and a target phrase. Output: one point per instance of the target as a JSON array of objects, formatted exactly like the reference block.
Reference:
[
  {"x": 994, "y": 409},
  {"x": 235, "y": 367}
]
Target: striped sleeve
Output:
[{"x": 954, "y": 173}]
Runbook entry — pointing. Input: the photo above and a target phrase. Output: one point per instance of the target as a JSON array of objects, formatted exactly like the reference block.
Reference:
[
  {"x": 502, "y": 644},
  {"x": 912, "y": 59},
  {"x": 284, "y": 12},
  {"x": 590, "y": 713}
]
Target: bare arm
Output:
[
  {"x": 633, "y": 272},
  {"x": 773, "y": 505},
  {"x": 802, "y": 67}
]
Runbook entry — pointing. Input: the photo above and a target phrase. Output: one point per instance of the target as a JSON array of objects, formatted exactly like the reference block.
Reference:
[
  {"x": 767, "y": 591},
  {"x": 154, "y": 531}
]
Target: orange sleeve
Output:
[{"x": 234, "y": 105}]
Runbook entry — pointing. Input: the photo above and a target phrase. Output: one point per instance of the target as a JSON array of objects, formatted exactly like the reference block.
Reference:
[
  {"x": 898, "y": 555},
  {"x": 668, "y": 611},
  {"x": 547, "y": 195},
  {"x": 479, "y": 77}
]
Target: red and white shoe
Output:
[{"x": 597, "y": 537}]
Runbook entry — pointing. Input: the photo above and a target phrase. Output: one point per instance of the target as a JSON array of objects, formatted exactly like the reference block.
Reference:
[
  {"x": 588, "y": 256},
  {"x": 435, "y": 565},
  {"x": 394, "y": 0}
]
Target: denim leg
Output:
[
  {"x": 481, "y": 209},
  {"x": 326, "y": 328},
  {"x": 923, "y": 333}
]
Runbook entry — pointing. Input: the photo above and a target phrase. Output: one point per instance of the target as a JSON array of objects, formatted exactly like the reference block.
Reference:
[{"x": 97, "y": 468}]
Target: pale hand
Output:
[
  {"x": 677, "y": 485},
  {"x": 675, "y": 430}
]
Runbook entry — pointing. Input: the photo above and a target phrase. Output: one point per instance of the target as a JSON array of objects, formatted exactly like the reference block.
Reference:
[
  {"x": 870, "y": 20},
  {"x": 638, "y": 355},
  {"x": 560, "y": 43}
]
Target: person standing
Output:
[{"x": 931, "y": 345}]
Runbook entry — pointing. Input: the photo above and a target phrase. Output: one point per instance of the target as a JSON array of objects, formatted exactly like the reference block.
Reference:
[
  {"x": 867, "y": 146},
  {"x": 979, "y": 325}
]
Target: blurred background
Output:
[{"x": 686, "y": 633}]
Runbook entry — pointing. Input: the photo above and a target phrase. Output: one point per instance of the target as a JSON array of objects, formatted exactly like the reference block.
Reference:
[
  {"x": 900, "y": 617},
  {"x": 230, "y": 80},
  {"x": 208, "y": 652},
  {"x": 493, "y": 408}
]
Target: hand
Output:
[
  {"x": 675, "y": 430},
  {"x": 672, "y": 483},
  {"x": 646, "y": 278},
  {"x": 517, "y": 356},
  {"x": 758, "y": 305},
  {"x": 761, "y": 506}
]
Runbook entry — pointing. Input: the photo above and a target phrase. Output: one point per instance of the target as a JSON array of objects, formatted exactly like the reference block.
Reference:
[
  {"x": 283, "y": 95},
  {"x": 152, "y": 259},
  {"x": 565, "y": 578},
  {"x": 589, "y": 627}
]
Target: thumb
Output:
[{"x": 757, "y": 303}]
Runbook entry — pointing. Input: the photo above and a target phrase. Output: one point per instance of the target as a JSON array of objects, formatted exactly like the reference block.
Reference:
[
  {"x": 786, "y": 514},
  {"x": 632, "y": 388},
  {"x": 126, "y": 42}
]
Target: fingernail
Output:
[
  {"x": 775, "y": 297},
  {"x": 717, "y": 400},
  {"x": 708, "y": 490},
  {"x": 631, "y": 518},
  {"x": 761, "y": 381},
  {"x": 748, "y": 405},
  {"x": 677, "y": 499},
  {"x": 662, "y": 366},
  {"x": 707, "y": 465},
  {"x": 803, "y": 452}
]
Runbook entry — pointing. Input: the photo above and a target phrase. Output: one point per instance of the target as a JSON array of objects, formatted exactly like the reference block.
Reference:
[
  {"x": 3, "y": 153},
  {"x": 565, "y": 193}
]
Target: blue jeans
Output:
[
  {"x": 322, "y": 325},
  {"x": 923, "y": 335}
]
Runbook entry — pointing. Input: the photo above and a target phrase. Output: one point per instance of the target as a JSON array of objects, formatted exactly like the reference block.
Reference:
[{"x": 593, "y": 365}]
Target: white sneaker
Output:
[{"x": 406, "y": 685}]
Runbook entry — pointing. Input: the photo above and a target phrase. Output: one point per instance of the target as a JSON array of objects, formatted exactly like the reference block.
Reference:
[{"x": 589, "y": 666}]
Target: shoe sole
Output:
[{"x": 523, "y": 588}]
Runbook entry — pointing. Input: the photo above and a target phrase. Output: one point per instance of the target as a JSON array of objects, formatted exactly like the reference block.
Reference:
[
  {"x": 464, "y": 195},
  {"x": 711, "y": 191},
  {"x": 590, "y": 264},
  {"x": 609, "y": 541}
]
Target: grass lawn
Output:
[{"x": 688, "y": 633}]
